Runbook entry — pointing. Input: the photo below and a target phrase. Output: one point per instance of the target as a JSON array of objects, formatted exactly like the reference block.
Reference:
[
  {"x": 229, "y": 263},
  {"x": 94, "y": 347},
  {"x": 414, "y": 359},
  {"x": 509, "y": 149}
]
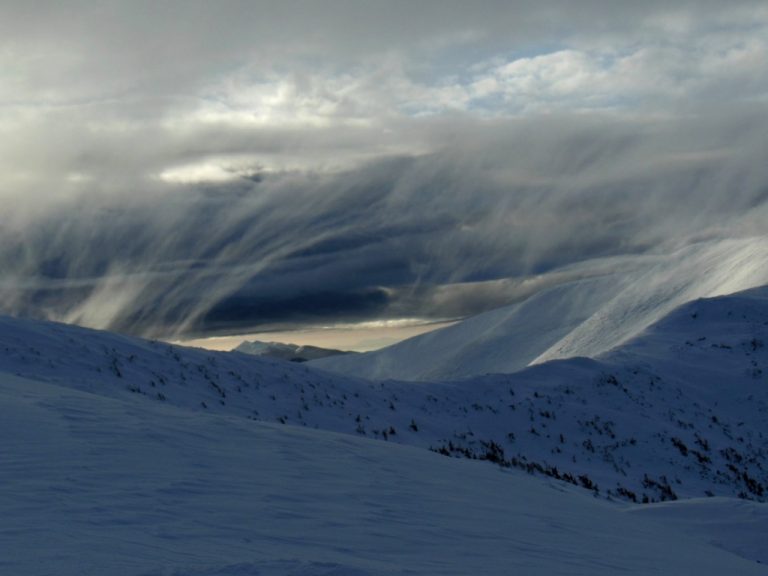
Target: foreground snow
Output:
[{"x": 121, "y": 486}]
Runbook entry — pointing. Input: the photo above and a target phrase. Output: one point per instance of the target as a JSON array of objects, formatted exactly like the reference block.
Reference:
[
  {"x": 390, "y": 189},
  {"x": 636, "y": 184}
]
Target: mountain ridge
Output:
[
  {"x": 583, "y": 317},
  {"x": 286, "y": 351},
  {"x": 649, "y": 420}
]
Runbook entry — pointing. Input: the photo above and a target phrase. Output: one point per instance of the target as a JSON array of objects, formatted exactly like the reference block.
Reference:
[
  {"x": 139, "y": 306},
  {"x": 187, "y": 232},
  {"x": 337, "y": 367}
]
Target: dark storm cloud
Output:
[
  {"x": 174, "y": 168},
  {"x": 244, "y": 311},
  {"x": 389, "y": 238}
]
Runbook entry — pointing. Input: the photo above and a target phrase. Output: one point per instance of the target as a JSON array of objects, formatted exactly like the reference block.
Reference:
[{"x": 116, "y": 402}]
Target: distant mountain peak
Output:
[{"x": 285, "y": 351}]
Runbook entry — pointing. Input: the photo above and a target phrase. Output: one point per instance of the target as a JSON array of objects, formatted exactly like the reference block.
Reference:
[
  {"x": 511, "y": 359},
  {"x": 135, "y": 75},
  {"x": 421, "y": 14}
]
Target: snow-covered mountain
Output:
[
  {"x": 612, "y": 302},
  {"x": 94, "y": 485},
  {"x": 678, "y": 411},
  {"x": 292, "y": 352},
  {"x": 134, "y": 457}
]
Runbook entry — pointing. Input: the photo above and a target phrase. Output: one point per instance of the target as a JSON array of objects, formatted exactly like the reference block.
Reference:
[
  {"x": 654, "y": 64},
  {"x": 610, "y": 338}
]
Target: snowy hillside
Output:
[
  {"x": 95, "y": 485},
  {"x": 139, "y": 458},
  {"x": 504, "y": 340},
  {"x": 680, "y": 411},
  {"x": 584, "y": 317}
]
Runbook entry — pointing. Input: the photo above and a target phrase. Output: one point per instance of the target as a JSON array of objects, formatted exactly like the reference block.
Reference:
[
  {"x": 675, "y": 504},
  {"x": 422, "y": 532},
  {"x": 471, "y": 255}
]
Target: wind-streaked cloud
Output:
[{"x": 185, "y": 168}]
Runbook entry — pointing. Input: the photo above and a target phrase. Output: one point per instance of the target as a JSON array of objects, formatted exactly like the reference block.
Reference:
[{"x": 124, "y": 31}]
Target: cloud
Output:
[
  {"x": 395, "y": 236},
  {"x": 184, "y": 168}
]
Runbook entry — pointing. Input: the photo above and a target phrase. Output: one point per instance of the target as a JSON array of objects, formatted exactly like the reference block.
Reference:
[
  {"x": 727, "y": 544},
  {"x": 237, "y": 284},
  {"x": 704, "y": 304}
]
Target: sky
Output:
[{"x": 197, "y": 169}]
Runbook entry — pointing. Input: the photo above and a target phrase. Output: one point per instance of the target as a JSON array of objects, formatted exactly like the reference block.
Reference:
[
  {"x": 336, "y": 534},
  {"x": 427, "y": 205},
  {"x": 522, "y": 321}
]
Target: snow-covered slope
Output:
[
  {"x": 94, "y": 485},
  {"x": 581, "y": 318},
  {"x": 503, "y": 340},
  {"x": 128, "y": 457},
  {"x": 679, "y": 411}
]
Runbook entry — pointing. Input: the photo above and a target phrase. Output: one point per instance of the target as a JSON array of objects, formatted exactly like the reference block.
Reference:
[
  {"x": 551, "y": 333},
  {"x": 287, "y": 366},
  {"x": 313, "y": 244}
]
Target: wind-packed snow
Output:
[
  {"x": 585, "y": 317},
  {"x": 95, "y": 485}
]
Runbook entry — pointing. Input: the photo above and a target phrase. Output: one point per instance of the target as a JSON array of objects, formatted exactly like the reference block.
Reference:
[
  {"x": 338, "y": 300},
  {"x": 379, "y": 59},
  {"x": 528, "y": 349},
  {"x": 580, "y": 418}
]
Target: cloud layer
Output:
[{"x": 188, "y": 169}]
